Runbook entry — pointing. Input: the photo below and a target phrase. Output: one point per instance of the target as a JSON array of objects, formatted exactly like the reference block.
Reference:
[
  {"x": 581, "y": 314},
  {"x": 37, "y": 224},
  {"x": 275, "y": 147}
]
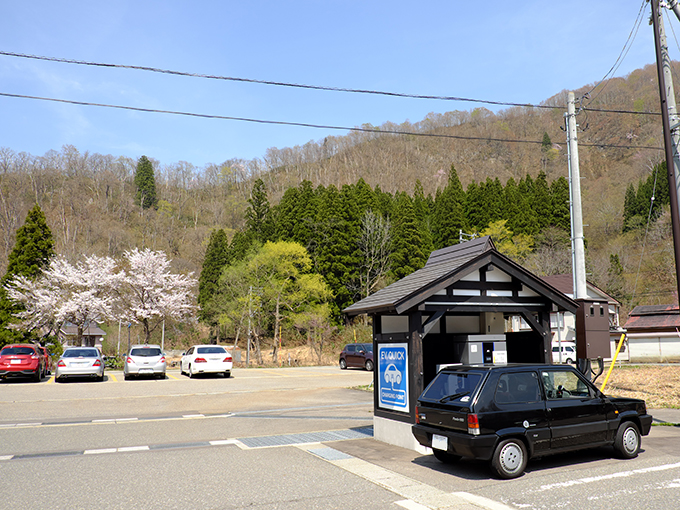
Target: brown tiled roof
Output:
[
  {"x": 654, "y": 317},
  {"x": 565, "y": 284}
]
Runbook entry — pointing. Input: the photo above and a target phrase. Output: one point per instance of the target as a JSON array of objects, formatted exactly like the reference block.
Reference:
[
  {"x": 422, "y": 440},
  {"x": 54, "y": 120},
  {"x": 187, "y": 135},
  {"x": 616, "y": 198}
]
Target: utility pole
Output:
[
  {"x": 670, "y": 121},
  {"x": 576, "y": 210}
]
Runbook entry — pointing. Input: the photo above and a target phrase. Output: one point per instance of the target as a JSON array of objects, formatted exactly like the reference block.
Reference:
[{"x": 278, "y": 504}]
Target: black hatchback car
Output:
[
  {"x": 357, "y": 355},
  {"x": 509, "y": 414}
]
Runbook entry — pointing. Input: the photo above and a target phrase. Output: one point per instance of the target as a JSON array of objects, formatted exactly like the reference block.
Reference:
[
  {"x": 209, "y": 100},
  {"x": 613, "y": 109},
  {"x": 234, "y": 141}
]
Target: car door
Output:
[
  {"x": 576, "y": 413},
  {"x": 351, "y": 355},
  {"x": 186, "y": 358},
  {"x": 519, "y": 404}
]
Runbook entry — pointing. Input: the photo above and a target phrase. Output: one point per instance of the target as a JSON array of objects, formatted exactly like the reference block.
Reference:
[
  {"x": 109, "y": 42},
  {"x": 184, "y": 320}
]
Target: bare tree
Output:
[{"x": 374, "y": 242}]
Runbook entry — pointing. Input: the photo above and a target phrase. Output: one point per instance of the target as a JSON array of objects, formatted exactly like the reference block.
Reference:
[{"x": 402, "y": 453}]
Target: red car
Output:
[
  {"x": 48, "y": 360},
  {"x": 22, "y": 360}
]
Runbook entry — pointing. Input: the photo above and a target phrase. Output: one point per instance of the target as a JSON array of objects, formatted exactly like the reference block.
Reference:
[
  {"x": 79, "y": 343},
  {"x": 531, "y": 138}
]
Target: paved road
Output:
[{"x": 289, "y": 438}]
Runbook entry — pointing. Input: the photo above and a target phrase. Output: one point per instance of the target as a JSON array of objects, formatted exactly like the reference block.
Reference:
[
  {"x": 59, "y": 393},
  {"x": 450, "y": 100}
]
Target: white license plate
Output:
[
  {"x": 15, "y": 361},
  {"x": 440, "y": 442},
  {"x": 146, "y": 370}
]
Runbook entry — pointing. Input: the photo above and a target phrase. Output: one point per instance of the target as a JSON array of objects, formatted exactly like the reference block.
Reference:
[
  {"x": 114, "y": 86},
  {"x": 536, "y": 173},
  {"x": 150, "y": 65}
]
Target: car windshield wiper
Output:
[{"x": 452, "y": 397}]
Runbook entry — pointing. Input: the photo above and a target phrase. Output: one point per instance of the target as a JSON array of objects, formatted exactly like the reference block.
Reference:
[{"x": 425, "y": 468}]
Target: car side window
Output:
[
  {"x": 560, "y": 384},
  {"x": 190, "y": 351},
  {"x": 350, "y": 348},
  {"x": 517, "y": 387}
]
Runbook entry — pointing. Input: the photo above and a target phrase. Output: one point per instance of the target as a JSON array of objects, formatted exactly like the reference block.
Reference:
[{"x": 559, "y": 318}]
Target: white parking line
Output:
[
  {"x": 133, "y": 448},
  {"x": 6, "y": 457},
  {"x": 620, "y": 474},
  {"x": 101, "y": 450}
]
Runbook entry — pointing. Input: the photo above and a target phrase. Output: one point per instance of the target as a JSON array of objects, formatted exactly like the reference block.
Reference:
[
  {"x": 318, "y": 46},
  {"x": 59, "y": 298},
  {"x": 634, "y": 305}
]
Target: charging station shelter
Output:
[{"x": 455, "y": 310}]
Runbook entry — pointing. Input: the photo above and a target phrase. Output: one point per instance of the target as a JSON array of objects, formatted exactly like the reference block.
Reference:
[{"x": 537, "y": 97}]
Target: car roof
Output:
[
  {"x": 145, "y": 345},
  {"x": 514, "y": 366}
]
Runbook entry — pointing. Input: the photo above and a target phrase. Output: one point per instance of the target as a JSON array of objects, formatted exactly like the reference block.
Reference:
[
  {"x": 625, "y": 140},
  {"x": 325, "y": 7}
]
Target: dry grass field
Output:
[{"x": 659, "y": 386}]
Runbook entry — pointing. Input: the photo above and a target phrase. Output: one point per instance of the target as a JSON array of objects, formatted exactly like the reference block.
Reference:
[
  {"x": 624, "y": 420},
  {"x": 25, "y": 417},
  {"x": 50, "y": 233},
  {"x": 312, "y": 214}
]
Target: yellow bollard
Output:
[{"x": 611, "y": 367}]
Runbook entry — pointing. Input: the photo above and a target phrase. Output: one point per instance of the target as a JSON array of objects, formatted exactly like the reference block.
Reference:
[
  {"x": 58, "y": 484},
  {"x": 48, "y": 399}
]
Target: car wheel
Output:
[
  {"x": 445, "y": 457},
  {"x": 510, "y": 458},
  {"x": 38, "y": 375},
  {"x": 191, "y": 372},
  {"x": 126, "y": 376},
  {"x": 570, "y": 361},
  {"x": 227, "y": 374},
  {"x": 343, "y": 364},
  {"x": 101, "y": 377},
  {"x": 627, "y": 442},
  {"x": 181, "y": 370},
  {"x": 161, "y": 376},
  {"x": 369, "y": 365}
]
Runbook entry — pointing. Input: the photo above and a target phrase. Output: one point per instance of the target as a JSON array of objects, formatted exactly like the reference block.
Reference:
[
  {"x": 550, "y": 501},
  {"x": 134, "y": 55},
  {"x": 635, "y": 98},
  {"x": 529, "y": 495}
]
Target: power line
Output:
[
  {"x": 308, "y": 125},
  {"x": 302, "y": 86},
  {"x": 624, "y": 51}
]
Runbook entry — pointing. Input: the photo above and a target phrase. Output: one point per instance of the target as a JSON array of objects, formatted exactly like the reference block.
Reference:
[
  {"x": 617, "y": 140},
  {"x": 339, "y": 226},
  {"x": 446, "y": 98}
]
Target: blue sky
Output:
[{"x": 521, "y": 52}]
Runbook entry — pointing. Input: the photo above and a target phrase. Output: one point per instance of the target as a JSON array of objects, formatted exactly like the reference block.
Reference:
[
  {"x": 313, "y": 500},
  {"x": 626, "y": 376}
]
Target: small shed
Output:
[
  {"x": 93, "y": 335},
  {"x": 456, "y": 309},
  {"x": 653, "y": 334}
]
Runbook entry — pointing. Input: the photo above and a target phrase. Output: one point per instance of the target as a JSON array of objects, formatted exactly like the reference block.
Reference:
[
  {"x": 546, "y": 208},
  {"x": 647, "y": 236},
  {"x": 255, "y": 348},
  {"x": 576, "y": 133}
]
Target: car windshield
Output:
[
  {"x": 145, "y": 351},
  {"x": 25, "y": 351},
  {"x": 210, "y": 350},
  {"x": 452, "y": 385},
  {"x": 80, "y": 353}
]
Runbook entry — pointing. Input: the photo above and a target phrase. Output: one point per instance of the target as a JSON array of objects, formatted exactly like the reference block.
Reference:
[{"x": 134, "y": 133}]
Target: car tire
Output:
[
  {"x": 191, "y": 372},
  {"x": 181, "y": 371},
  {"x": 100, "y": 378},
  {"x": 369, "y": 365},
  {"x": 127, "y": 377},
  {"x": 627, "y": 442},
  {"x": 38, "y": 374},
  {"x": 569, "y": 361},
  {"x": 343, "y": 364},
  {"x": 227, "y": 374},
  {"x": 445, "y": 457},
  {"x": 161, "y": 376},
  {"x": 510, "y": 458}
]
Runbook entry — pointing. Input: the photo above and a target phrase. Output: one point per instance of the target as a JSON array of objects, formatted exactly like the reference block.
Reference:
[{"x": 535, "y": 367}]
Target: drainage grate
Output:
[{"x": 309, "y": 437}]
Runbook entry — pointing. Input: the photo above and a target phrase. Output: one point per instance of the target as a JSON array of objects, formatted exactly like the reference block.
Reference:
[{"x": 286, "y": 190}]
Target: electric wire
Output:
[
  {"x": 624, "y": 52},
  {"x": 303, "y": 86},
  {"x": 315, "y": 126}
]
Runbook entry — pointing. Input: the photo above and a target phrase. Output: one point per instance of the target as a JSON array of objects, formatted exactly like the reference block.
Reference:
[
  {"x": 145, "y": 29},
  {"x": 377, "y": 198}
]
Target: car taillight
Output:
[
  {"x": 130, "y": 360},
  {"x": 61, "y": 363},
  {"x": 200, "y": 360},
  {"x": 34, "y": 356},
  {"x": 417, "y": 415},
  {"x": 227, "y": 359},
  {"x": 473, "y": 424},
  {"x": 97, "y": 363},
  {"x": 162, "y": 359}
]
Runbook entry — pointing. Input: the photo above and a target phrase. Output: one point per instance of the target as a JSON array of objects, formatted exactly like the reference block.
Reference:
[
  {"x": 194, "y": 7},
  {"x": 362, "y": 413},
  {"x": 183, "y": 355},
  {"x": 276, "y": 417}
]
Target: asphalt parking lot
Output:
[{"x": 275, "y": 438}]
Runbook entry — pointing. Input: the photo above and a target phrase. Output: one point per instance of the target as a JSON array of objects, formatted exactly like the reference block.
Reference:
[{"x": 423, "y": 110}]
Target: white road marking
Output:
[
  {"x": 6, "y": 457},
  {"x": 101, "y": 450},
  {"x": 133, "y": 449},
  {"x": 620, "y": 474}
]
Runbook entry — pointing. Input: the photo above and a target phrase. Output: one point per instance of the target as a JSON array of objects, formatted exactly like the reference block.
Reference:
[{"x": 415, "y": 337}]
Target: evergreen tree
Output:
[
  {"x": 629, "y": 207},
  {"x": 407, "y": 253},
  {"x": 214, "y": 262},
  {"x": 541, "y": 202},
  {"x": 559, "y": 195},
  {"x": 146, "y": 184},
  {"x": 258, "y": 215},
  {"x": 475, "y": 207},
  {"x": 546, "y": 144},
  {"x": 32, "y": 252},
  {"x": 449, "y": 212},
  {"x": 422, "y": 206}
]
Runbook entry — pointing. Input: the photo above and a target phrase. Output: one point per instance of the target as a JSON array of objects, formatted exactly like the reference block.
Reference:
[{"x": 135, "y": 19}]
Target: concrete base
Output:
[{"x": 397, "y": 433}]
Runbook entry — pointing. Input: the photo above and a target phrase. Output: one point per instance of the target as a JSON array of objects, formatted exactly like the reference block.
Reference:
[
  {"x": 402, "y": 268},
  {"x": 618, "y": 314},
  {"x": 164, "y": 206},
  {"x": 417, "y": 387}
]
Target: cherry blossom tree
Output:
[
  {"x": 151, "y": 293},
  {"x": 79, "y": 294}
]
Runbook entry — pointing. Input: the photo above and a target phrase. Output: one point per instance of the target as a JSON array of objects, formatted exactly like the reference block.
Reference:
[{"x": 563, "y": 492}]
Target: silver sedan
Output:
[
  {"x": 145, "y": 360},
  {"x": 80, "y": 362}
]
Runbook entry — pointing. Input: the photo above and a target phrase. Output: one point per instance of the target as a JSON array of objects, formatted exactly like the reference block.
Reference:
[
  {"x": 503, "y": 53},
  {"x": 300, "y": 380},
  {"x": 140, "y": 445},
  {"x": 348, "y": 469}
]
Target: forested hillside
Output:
[{"x": 90, "y": 203}]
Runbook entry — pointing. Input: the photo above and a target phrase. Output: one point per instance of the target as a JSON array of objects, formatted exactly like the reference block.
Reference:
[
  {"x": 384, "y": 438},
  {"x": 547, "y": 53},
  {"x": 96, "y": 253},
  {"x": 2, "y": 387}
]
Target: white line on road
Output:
[
  {"x": 620, "y": 474},
  {"x": 133, "y": 448}
]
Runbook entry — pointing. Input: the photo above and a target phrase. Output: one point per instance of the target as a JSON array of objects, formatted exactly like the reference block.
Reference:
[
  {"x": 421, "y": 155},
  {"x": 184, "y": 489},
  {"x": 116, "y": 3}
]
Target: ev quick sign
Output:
[{"x": 393, "y": 377}]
